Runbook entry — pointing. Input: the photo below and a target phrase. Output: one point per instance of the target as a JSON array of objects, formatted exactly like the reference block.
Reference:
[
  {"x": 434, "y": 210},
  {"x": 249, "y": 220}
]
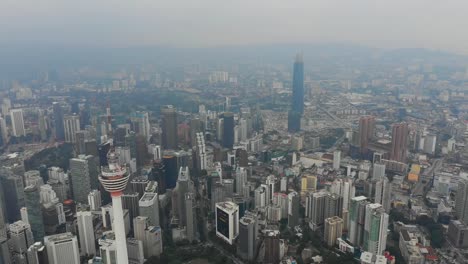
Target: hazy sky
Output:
[{"x": 435, "y": 24}]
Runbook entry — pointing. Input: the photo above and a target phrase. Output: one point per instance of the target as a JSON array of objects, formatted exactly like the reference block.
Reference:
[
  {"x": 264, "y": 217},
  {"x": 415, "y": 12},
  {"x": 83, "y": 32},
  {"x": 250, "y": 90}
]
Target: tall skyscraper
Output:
[
  {"x": 336, "y": 159},
  {"x": 184, "y": 186},
  {"x": 378, "y": 171},
  {"x": 141, "y": 124},
  {"x": 130, "y": 201},
  {"x": 169, "y": 127},
  {"x": 190, "y": 216},
  {"x": 241, "y": 181},
  {"x": 58, "y": 121},
  {"x": 333, "y": 230},
  {"x": 17, "y": 122},
  {"x": 366, "y": 132},
  {"x": 37, "y": 254},
  {"x": 149, "y": 207},
  {"x": 86, "y": 233},
  {"x": 272, "y": 246},
  {"x": 114, "y": 178},
  {"x": 62, "y": 248},
  {"x": 297, "y": 108},
  {"x": 84, "y": 177},
  {"x": 383, "y": 193},
  {"x": 21, "y": 238},
  {"x": 201, "y": 152},
  {"x": 247, "y": 238},
  {"x": 71, "y": 125},
  {"x": 13, "y": 192},
  {"x": 35, "y": 218},
  {"x": 315, "y": 208},
  {"x": 94, "y": 200},
  {"x": 461, "y": 201},
  {"x": 227, "y": 221},
  {"x": 399, "y": 142},
  {"x": 375, "y": 229},
  {"x": 357, "y": 213},
  {"x": 228, "y": 130},
  {"x": 293, "y": 209},
  {"x": 154, "y": 241}
]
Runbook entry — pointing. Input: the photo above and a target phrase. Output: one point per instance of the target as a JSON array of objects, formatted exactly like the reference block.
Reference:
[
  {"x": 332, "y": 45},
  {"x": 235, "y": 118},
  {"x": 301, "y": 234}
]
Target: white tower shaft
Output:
[{"x": 119, "y": 230}]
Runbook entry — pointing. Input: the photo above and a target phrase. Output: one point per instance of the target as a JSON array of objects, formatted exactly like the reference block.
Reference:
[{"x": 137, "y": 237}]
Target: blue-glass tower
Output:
[{"x": 297, "y": 108}]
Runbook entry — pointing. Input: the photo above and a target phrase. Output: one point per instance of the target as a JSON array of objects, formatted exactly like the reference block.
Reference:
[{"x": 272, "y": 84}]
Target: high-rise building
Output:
[
  {"x": 86, "y": 233},
  {"x": 17, "y": 122},
  {"x": 345, "y": 189},
  {"x": 130, "y": 201},
  {"x": 154, "y": 241},
  {"x": 84, "y": 177},
  {"x": 247, "y": 238},
  {"x": 357, "y": 213},
  {"x": 140, "y": 124},
  {"x": 169, "y": 127},
  {"x": 21, "y": 238},
  {"x": 315, "y": 208},
  {"x": 227, "y": 221},
  {"x": 37, "y": 254},
  {"x": 461, "y": 201},
  {"x": 260, "y": 196},
  {"x": 458, "y": 234},
  {"x": 114, "y": 178},
  {"x": 94, "y": 200},
  {"x": 366, "y": 132},
  {"x": 297, "y": 108},
  {"x": 35, "y": 218},
  {"x": 149, "y": 207},
  {"x": 333, "y": 230},
  {"x": 228, "y": 130},
  {"x": 375, "y": 229},
  {"x": 135, "y": 251},
  {"x": 58, "y": 121},
  {"x": 378, "y": 171},
  {"x": 71, "y": 125},
  {"x": 399, "y": 142},
  {"x": 190, "y": 216},
  {"x": 272, "y": 246},
  {"x": 170, "y": 172},
  {"x": 184, "y": 185},
  {"x": 308, "y": 184},
  {"x": 382, "y": 193},
  {"x": 336, "y": 159},
  {"x": 201, "y": 152},
  {"x": 293, "y": 209},
  {"x": 5, "y": 257},
  {"x": 241, "y": 181},
  {"x": 3, "y": 131},
  {"x": 138, "y": 185},
  {"x": 13, "y": 192},
  {"x": 62, "y": 248}
]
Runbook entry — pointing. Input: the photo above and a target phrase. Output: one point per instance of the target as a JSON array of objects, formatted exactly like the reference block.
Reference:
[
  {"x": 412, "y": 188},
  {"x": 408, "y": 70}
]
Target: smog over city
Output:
[{"x": 233, "y": 132}]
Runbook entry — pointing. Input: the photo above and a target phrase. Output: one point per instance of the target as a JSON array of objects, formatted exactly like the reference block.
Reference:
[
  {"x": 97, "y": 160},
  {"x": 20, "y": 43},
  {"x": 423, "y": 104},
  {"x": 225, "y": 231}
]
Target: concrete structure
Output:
[
  {"x": 375, "y": 229},
  {"x": 84, "y": 177},
  {"x": 71, "y": 125},
  {"x": 293, "y": 209},
  {"x": 336, "y": 159},
  {"x": 357, "y": 212},
  {"x": 17, "y": 122},
  {"x": 333, "y": 230},
  {"x": 399, "y": 142},
  {"x": 62, "y": 248},
  {"x": 114, "y": 178},
  {"x": 169, "y": 127},
  {"x": 149, "y": 207},
  {"x": 458, "y": 234},
  {"x": 94, "y": 200},
  {"x": 86, "y": 233},
  {"x": 190, "y": 216},
  {"x": 227, "y": 221},
  {"x": 247, "y": 238}
]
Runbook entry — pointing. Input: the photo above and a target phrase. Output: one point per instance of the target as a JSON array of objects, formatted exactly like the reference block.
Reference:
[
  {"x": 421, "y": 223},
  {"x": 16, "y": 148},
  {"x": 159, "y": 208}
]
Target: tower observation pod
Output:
[{"x": 114, "y": 178}]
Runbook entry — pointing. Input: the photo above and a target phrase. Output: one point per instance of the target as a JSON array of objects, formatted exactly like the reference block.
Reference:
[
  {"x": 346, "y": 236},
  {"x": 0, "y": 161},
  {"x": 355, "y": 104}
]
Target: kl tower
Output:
[{"x": 114, "y": 178}]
